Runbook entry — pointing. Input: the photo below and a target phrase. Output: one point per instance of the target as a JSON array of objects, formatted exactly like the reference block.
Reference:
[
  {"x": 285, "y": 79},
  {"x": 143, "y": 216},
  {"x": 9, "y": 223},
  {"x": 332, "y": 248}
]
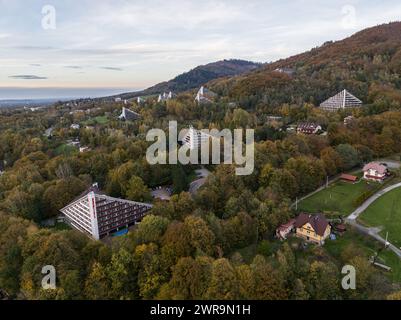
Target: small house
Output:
[
  {"x": 376, "y": 171},
  {"x": 308, "y": 128},
  {"x": 284, "y": 230},
  {"x": 349, "y": 178},
  {"x": 312, "y": 228}
]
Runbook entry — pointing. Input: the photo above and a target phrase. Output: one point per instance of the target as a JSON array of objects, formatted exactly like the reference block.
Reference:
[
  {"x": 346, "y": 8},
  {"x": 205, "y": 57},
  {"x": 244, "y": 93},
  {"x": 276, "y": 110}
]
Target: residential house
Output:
[
  {"x": 312, "y": 228},
  {"x": 341, "y": 101},
  {"x": 308, "y": 128},
  {"x": 376, "y": 171},
  {"x": 284, "y": 230}
]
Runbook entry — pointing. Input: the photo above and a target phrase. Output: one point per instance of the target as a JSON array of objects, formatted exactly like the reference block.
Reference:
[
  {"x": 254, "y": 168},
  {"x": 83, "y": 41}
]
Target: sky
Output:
[{"x": 57, "y": 48}]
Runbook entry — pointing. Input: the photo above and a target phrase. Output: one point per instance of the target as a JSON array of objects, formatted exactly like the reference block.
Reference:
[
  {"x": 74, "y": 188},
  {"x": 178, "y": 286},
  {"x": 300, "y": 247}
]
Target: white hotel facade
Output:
[
  {"x": 98, "y": 215},
  {"x": 195, "y": 138}
]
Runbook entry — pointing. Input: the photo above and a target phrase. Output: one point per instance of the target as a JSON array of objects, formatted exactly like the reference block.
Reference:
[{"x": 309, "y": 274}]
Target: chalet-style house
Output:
[
  {"x": 285, "y": 229},
  {"x": 312, "y": 228},
  {"x": 129, "y": 115},
  {"x": 341, "y": 101},
  {"x": 376, "y": 171},
  {"x": 165, "y": 96},
  {"x": 205, "y": 95},
  {"x": 308, "y": 128},
  {"x": 97, "y": 215}
]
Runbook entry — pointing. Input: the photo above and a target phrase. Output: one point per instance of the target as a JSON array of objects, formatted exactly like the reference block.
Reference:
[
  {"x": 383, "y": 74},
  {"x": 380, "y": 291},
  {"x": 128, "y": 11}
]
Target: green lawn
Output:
[
  {"x": 369, "y": 247},
  {"x": 338, "y": 199},
  {"x": 97, "y": 120},
  {"x": 65, "y": 149},
  {"x": 386, "y": 213}
]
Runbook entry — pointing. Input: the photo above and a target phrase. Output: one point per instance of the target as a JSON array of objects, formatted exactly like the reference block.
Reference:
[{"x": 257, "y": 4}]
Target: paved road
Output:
[
  {"x": 202, "y": 174},
  {"x": 373, "y": 232},
  {"x": 392, "y": 164},
  {"x": 365, "y": 205}
]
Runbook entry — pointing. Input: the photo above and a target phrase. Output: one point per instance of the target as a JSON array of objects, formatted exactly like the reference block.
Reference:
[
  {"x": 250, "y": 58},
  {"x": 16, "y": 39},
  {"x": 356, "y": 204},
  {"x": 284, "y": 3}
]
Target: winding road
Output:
[
  {"x": 373, "y": 232},
  {"x": 202, "y": 175}
]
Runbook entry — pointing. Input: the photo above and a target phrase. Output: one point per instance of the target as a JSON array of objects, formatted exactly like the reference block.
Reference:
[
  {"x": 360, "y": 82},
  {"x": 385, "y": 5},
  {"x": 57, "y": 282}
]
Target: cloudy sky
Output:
[{"x": 133, "y": 44}]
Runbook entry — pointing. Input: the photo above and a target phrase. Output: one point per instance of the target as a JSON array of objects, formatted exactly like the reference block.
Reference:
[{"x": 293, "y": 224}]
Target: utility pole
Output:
[{"x": 387, "y": 243}]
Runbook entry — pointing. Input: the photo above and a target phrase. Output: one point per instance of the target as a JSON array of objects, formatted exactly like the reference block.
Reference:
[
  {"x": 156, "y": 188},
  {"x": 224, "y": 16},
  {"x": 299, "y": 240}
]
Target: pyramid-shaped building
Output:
[
  {"x": 205, "y": 95},
  {"x": 97, "y": 215},
  {"x": 341, "y": 101},
  {"x": 129, "y": 115}
]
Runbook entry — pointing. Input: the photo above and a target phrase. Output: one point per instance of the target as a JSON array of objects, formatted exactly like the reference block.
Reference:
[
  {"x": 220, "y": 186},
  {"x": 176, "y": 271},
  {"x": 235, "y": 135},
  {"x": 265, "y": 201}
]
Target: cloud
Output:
[
  {"x": 27, "y": 77},
  {"x": 35, "y": 65},
  {"x": 73, "y": 67},
  {"x": 111, "y": 68},
  {"x": 4, "y": 35}
]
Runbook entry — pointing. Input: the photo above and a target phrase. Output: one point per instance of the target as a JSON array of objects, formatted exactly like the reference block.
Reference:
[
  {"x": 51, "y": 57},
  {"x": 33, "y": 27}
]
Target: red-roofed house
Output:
[
  {"x": 312, "y": 228},
  {"x": 308, "y": 128},
  {"x": 376, "y": 171}
]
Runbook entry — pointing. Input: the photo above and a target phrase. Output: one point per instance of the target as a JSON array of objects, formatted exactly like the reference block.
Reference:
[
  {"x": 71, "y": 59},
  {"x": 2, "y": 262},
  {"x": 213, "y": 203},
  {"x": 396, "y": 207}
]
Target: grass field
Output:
[
  {"x": 97, "y": 120},
  {"x": 65, "y": 149},
  {"x": 369, "y": 247},
  {"x": 338, "y": 199},
  {"x": 386, "y": 213}
]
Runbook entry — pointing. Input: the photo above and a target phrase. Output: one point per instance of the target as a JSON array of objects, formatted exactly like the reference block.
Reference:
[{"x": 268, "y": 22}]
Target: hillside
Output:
[
  {"x": 198, "y": 76},
  {"x": 367, "y": 64}
]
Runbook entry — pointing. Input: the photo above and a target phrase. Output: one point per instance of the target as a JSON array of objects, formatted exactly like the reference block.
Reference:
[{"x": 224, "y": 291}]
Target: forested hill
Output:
[
  {"x": 198, "y": 76},
  {"x": 367, "y": 63}
]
